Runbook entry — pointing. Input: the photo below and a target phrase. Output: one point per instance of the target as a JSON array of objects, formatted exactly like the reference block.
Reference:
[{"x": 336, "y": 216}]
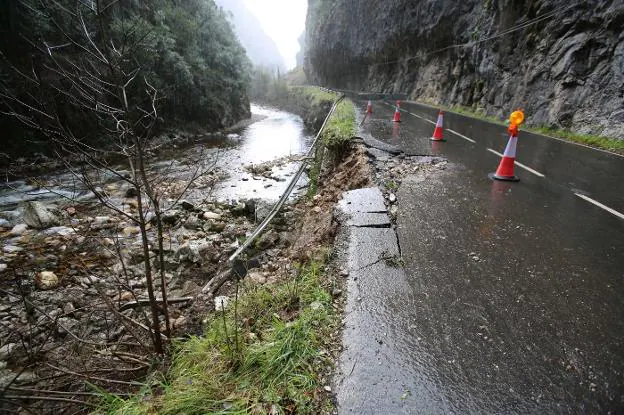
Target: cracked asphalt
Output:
[{"x": 510, "y": 300}]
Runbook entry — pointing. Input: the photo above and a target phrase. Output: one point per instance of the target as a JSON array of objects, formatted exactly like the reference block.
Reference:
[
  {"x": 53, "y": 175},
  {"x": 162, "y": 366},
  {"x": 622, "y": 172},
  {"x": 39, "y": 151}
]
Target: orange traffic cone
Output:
[
  {"x": 505, "y": 169},
  {"x": 369, "y": 107},
  {"x": 438, "y": 133},
  {"x": 397, "y": 114}
]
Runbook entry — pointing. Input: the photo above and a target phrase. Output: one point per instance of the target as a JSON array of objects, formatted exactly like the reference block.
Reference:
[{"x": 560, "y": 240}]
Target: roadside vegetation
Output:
[
  {"x": 268, "y": 351},
  {"x": 95, "y": 84},
  {"x": 592, "y": 140},
  {"x": 605, "y": 143},
  {"x": 340, "y": 129},
  {"x": 337, "y": 135},
  {"x": 312, "y": 104},
  {"x": 187, "y": 52},
  {"x": 265, "y": 353}
]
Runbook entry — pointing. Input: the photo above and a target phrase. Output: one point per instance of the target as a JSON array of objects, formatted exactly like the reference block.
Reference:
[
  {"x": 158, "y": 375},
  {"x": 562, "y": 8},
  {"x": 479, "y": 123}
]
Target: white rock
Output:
[
  {"x": 26, "y": 377},
  {"x": 12, "y": 249},
  {"x": 46, "y": 280},
  {"x": 19, "y": 229},
  {"x": 3, "y": 267},
  {"x": 316, "y": 305},
  {"x": 39, "y": 216},
  {"x": 60, "y": 230},
  {"x": 256, "y": 278},
  {"x": 100, "y": 221},
  {"x": 211, "y": 216},
  {"x": 131, "y": 230},
  {"x": 68, "y": 308},
  {"x": 221, "y": 302},
  {"x": 193, "y": 251},
  {"x": 392, "y": 198},
  {"x": 91, "y": 280}
]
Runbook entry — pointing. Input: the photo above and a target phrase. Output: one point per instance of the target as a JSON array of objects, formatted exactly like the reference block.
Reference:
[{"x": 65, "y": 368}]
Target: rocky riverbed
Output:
[{"x": 72, "y": 276}]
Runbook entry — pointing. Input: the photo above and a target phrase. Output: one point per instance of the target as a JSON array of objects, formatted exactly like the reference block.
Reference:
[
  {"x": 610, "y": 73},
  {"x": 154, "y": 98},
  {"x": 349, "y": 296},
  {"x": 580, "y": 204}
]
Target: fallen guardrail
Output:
[
  {"x": 280, "y": 203},
  {"x": 217, "y": 281}
]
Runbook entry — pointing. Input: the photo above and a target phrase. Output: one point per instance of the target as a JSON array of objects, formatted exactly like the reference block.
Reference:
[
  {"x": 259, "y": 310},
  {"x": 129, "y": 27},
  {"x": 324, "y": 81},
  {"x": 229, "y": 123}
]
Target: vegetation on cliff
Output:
[{"x": 187, "y": 52}]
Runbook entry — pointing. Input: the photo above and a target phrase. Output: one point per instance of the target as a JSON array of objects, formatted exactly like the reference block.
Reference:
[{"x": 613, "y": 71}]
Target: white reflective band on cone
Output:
[
  {"x": 440, "y": 118},
  {"x": 510, "y": 150}
]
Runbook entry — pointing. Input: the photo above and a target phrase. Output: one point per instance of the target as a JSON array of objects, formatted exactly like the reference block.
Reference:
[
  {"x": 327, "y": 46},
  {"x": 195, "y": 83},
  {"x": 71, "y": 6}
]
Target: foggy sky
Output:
[{"x": 283, "y": 21}]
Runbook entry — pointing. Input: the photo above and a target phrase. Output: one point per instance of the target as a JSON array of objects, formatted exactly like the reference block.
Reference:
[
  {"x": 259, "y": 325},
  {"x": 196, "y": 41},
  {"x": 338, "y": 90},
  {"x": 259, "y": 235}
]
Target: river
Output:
[{"x": 277, "y": 136}]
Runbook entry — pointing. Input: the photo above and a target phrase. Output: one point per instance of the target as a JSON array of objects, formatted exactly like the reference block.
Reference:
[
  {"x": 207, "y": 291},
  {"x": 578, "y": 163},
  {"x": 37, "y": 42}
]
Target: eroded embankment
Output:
[
  {"x": 272, "y": 346},
  {"x": 75, "y": 314}
]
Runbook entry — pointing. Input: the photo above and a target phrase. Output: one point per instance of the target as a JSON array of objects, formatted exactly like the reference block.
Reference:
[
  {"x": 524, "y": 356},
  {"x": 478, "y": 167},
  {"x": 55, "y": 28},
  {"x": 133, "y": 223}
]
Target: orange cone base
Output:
[
  {"x": 437, "y": 139},
  {"x": 494, "y": 176}
]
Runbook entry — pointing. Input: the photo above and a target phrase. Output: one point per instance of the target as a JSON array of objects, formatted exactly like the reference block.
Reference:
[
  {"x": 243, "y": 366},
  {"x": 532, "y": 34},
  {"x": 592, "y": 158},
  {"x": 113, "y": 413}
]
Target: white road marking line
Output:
[
  {"x": 527, "y": 168},
  {"x": 411, "y": 113},
  {"x": 543, "y": 135},
  {"x": 422, "y": 118},
  {"x": 461, "y": 135},
  {"x": 600, "y": 205}
]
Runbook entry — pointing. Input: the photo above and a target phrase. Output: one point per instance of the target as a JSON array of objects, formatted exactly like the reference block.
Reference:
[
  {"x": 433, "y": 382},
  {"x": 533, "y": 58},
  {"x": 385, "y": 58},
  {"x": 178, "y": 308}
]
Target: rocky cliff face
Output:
[{"x": 561, "y": 61}]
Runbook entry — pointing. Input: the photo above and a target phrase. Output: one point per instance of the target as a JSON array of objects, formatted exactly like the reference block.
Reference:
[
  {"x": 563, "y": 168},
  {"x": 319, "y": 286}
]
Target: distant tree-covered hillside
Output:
[{"x": 186, "y": 50}]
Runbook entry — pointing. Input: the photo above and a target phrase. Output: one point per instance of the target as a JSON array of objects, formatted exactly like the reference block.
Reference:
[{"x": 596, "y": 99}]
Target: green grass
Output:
[
  {"x": 335, "y": 140},
  {"x": 592, "y": 140},
  {"x": 341, "y": 127},
  {"x": 315, "y": 95},
  {"x": 475, "y": 113},
  {"x": 605, "y": 143},
  {"x": 263, "y": 356},
  {"x": 391, "y": 185},
  {"x": 338, "y": 132}
]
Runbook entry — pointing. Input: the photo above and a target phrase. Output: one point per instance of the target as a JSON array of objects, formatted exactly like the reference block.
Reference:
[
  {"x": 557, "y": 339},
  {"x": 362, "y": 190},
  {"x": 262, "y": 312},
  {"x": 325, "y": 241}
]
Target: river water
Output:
[{"x": 278, "y": 135}]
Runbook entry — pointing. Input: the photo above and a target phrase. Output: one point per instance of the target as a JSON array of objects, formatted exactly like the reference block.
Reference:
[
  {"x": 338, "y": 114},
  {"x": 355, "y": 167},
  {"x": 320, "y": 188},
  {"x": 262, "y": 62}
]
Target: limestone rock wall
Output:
[{"x": 565, "y": 65}]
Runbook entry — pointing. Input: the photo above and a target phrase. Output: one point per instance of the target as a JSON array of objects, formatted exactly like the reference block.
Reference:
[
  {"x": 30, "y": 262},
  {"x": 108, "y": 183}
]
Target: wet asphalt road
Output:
[{"x": 514, "y": 297}]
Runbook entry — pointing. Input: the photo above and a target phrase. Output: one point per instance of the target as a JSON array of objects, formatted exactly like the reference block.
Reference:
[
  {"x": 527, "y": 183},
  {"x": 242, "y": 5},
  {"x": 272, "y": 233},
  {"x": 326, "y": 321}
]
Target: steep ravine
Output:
[{"x": 566, "y": 70}]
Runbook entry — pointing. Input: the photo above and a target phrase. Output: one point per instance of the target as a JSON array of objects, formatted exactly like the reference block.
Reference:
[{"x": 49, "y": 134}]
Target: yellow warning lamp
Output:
[{"x": 516, "y": 117}]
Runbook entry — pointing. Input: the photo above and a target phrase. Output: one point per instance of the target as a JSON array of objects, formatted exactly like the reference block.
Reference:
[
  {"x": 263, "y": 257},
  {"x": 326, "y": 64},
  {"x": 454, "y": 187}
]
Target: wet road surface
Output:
[{"x": 512, "y": 299}]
